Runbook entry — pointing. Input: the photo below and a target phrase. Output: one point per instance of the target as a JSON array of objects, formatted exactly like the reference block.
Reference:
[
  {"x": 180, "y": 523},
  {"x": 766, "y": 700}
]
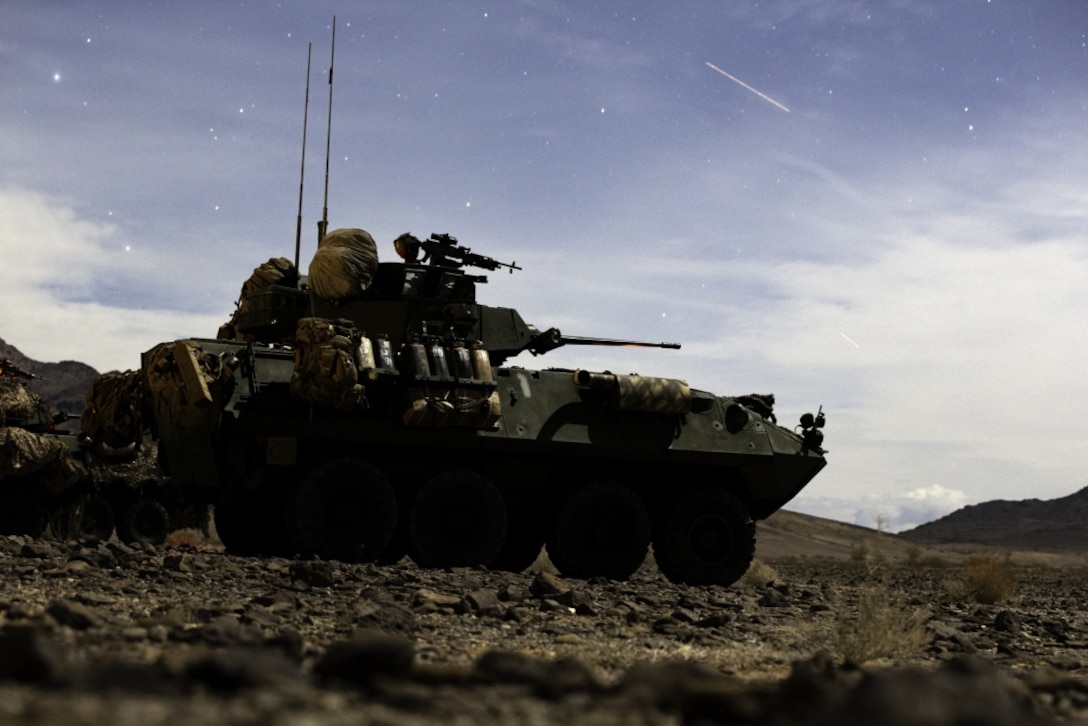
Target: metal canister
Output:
[
  {"x": 364, "y": 354},
  {"x": 414, "y": 358},
  {"x": 385, "y": 354},
  {"x": 481, "y": 363},
  {"x": 439, "y": 366},
  {"x": 461, "y": 361}
]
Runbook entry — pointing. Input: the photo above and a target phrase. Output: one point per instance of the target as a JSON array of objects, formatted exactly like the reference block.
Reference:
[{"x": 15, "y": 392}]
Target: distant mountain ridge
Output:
[
  {"x": 62, "y": 385},
  {"x": 1036, "y": 524}
]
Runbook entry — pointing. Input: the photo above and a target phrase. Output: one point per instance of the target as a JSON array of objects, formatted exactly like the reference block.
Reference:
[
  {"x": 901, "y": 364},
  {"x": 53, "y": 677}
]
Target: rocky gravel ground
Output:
[{"x": 102, "y": 633}]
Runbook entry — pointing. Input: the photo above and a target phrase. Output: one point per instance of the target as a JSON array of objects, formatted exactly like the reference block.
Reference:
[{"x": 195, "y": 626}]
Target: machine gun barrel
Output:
[
  {"x": 442, "y": 250},
  {"x": 551, "y": 339}
]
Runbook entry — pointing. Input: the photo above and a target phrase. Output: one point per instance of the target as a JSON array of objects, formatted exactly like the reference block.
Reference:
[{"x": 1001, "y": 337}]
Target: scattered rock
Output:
[
  {"x": 31, "y": 656},
  {"x": 250, "y": 640},
  {"x": 74, "y": 615},
  {"x": 358, "y": 662},
  {"x": 315, "y": 573},
  {"x": 547, "y": 585}
]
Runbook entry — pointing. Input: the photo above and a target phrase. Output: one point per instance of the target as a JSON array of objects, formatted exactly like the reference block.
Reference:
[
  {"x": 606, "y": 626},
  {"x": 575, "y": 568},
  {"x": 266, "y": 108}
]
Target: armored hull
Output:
[{"x": 389, "y": 424}]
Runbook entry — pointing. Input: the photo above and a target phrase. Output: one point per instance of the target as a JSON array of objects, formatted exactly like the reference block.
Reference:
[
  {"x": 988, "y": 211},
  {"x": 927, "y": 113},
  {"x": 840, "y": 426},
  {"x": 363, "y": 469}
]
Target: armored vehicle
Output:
[
  {"x": 367, "y": 411},
  {"x": 40, "y": 463},
  {"x": 54, "y": 475}
]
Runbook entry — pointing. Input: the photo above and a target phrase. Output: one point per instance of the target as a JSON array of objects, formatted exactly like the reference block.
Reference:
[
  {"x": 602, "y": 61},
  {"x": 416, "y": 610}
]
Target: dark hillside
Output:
[
  {"x": 1052, "y": 524},
  {"x": 62, "y": 385}
]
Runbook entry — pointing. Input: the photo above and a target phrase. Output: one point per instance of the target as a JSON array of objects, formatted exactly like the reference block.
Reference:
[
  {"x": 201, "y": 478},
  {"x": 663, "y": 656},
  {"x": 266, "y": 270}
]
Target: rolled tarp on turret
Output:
[{"x": 344, "y": 264}]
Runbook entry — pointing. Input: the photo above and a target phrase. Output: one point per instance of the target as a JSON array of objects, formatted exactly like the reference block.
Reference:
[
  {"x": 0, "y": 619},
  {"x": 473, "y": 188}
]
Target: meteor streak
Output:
[{"x": 738, "y": 81}]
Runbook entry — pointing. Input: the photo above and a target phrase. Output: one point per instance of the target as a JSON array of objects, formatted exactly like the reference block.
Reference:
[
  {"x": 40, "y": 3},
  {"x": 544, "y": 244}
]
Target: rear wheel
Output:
[
  {"x": 345, "y": 510},
  {"x": 602, "y": 530},
  {"x": 707, "y": 538},
  {"x": 143, "y": 519},
  {"x": 458, "y": 520}
]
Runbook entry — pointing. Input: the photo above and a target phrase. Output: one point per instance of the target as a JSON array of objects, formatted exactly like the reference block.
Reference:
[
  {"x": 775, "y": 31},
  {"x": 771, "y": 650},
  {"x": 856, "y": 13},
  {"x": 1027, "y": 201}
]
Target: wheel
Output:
[
  {"x": 97, "y": 518},
  {"x": 84, "y": 515},
  {"x": 400, "y": 544},
  {"x": 707, "y": 538},
  {"x": 21, "y": 510},
  {"x": 253, "y": 528},
  {"x": 254, "y": 523},
  {"x": 64, "y": 516},
  {"x": 143, "y": 519},
  {"x": 602, "y": 529},
  {"x": 458, "y": 520},
  {"x": 345, "y": 510},
  {"x": 526, "y": 515}
]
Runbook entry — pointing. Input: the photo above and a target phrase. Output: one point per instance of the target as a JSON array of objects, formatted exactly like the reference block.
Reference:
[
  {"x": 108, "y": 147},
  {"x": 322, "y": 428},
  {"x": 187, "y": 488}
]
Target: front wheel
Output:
[
  {"x": 602, "y": 530},
  {"x": 707, "y": 538}
]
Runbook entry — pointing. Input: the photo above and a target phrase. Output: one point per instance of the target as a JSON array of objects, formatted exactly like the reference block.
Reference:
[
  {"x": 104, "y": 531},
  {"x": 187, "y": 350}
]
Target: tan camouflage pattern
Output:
[
  {"x": 344, "y": 264},
  {"x": 326, "y": 372},
  {"x": 194, "y": 410},
  {"x": 652, "y": 395},
  {"x": 17, "y": 402},
  {"x": 277, "y": 271},
  {"x": 452, "y": 408},
  {"x": 25, "y": 454},
  {"x": 639, "y": 393},
  {"x": 112, "y": 411}
]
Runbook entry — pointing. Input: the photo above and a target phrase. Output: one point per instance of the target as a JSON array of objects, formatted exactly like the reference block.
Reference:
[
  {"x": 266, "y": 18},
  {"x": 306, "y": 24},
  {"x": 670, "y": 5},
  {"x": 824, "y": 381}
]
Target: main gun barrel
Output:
[
  {"x": 552, "y": 338},
  {"x": 584, "y": 340}
]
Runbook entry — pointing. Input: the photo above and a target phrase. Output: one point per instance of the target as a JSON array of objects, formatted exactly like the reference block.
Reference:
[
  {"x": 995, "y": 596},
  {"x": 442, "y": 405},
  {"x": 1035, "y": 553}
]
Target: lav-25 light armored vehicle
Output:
[{"x": 374, "y": 415}]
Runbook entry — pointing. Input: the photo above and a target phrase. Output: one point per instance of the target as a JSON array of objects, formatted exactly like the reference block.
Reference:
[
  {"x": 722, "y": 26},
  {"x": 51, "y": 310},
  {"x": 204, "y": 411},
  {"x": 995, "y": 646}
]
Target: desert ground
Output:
[{"x": 832, "y": 624}]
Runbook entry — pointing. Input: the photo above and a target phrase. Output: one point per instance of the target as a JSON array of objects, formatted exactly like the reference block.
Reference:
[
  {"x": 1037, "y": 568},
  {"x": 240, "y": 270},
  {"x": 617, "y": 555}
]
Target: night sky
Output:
[{"x": 878, "y": 207}]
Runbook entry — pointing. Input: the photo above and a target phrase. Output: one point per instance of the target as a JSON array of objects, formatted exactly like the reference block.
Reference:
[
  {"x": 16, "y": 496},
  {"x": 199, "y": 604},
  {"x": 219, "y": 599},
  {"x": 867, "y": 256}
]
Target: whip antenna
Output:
[
  {"x": 324, "y": 225},
  {"x": 302, "y": 172}
]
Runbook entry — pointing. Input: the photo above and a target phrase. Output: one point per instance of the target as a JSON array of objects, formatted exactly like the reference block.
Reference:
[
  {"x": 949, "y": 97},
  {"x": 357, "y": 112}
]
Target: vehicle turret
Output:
[{"x": 428, "y": 294}]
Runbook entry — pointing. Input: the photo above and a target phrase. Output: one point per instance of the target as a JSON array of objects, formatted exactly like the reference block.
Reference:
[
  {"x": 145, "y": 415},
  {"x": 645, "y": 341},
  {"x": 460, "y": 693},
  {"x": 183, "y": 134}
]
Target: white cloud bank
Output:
[
  {"x": 887, "y": 512},
  {"x": 57, "y": 268}
]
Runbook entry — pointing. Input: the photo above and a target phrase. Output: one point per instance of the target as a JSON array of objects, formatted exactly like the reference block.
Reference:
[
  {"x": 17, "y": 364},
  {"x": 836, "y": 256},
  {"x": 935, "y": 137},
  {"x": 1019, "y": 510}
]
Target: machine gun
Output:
[
  {"x": 442, "y": 250},
  {"x": 10, "y": 370},
  {"x": 551, "y": 339}
]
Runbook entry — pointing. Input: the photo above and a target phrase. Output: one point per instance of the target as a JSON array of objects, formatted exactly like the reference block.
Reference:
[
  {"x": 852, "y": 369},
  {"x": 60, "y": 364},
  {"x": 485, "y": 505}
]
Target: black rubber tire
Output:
[
  {"x": 708, "y": 538},
  {"x": 143, "y": 519},
  {"x": 458, "y": 520},
  {"x": 602, "y": 529},
  {"x": 64, "y": 517},
  {"x": 21, "y": 510},
  {"x": 96, "y": 519},
  {"x": 253, "y": 528},
  {"x": 344, "y": 510},
  {"x": 527, "y": 519}
]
